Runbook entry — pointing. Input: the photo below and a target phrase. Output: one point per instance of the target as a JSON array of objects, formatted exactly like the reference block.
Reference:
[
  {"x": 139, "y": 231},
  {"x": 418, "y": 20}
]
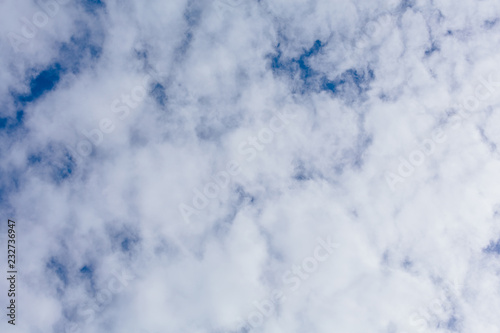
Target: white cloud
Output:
[{"x": 369, "y": 83}]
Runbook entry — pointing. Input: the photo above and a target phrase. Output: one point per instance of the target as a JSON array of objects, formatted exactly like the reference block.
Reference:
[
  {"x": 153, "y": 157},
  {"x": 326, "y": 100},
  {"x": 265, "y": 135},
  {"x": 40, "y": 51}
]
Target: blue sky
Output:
[{"x": 252, "y": 166}]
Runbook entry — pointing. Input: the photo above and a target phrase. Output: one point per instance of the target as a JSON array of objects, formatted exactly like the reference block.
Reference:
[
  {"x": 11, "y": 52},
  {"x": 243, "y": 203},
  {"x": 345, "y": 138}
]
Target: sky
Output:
[{"x": 236, "y": 166}]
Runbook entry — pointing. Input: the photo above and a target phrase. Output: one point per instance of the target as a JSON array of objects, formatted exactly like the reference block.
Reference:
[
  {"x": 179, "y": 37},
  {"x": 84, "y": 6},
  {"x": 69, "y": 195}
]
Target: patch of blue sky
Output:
[
  {"x": 240, "y": 199},
  {"x": 348, "y": 85},
  {"x": 72, "y": 55},
  {"x": 184, "y": 46},
  {"x": 11, "y": 181},
  {"x": 158, "y": 92},
  {"x": 128, "y": 243},
  {"x": 41, "y": 82},
  {"x": 192, "y": 15},
  {"x": 61, "y": 170},
  {"x": 84, "y": 48},
  {"x": 10, "y": 124},
  {"x": 59, "y": 270},
  {"x": 405, "y": 4},
  {"x": 124, "y": 239},
  {"x": 243, "y": 197},
  {"x": 358, "y": 80},
  {"x": 297, "y": 67},
  {"x": 407, "y": 264},
  {"x": 93, "y": 6},
  {"x": 87, "y": 274},
  {"x": 493, "y": 247},
  {"x": 452, "y": 323},
  {"x": 301, "y": 172},
  {"x": 363, "y": 143},
  {"x": 86, "y": 271},
  {"x": 53, "y": 162},
  {"x": 488, "y": 24},
  {"x": 71, "y": 58},
  {"x": 434, "y": 48}
]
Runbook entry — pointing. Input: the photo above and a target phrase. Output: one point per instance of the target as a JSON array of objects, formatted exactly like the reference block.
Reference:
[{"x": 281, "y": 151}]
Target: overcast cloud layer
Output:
[{"x": 251, "y": 165}]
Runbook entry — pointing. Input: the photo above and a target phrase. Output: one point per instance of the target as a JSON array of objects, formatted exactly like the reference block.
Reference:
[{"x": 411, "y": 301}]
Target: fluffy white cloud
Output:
[{"x": 172, "y": 166}]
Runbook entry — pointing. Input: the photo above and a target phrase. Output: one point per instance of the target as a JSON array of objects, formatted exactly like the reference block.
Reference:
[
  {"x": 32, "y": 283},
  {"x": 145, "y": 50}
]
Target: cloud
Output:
[{"x": 266, "y": 125}]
